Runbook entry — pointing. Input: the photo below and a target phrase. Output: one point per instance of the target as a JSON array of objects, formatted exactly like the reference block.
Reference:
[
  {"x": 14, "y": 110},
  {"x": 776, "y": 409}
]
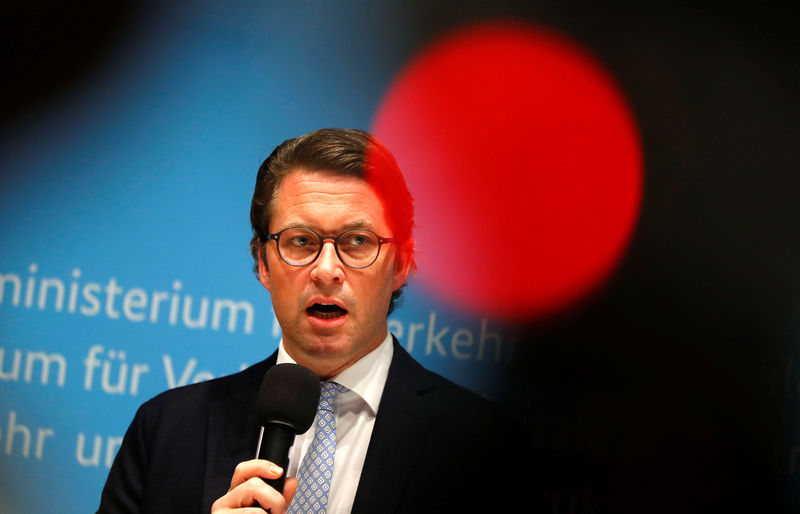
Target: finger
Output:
[
  {"x": 254, "y": 468},
  {"x": 243, "y": 510},
  {"x": 289, "y": 488},
  {"x": 249, "y": 493}
]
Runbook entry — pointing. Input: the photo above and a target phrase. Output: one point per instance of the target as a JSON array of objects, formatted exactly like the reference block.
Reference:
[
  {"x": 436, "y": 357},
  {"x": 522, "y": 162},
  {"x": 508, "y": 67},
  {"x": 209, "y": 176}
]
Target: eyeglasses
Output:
[{"x": 300, "y": 246}]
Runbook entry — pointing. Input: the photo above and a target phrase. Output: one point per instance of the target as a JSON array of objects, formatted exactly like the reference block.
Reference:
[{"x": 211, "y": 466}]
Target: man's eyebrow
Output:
[{"x": 358, "y": 224}]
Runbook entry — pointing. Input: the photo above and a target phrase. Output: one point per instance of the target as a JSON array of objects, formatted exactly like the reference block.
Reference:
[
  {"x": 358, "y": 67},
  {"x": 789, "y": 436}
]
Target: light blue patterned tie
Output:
[{"x": 316, "y": 470}]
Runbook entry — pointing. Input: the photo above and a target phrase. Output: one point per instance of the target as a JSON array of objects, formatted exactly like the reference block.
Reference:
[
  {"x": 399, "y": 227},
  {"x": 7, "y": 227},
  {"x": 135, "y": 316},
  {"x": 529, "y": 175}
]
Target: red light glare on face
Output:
[{"x": 525, "y": 165}]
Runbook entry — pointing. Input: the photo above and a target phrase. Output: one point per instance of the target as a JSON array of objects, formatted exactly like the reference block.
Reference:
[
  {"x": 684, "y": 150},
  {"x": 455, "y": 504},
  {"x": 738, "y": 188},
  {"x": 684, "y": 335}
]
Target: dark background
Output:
[{"x": 674, "y": 388}]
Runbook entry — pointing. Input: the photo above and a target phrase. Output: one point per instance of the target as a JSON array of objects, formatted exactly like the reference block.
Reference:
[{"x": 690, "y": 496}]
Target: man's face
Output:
[{"x": 330, "y": 204}]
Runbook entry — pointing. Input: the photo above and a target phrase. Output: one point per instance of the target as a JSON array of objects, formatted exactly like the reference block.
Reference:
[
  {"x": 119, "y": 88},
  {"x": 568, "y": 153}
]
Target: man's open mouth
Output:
[{"x": 326, "y": 311}]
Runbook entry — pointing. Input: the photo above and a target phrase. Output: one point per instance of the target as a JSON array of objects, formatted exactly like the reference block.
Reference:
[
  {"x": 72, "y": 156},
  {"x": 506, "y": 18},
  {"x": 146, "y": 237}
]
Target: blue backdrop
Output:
[{"x": 125, "y": 268}]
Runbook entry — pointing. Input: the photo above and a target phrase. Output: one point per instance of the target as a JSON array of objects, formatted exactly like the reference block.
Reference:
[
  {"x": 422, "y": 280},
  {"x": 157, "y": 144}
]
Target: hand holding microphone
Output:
[{"x": 286, "y": 406}]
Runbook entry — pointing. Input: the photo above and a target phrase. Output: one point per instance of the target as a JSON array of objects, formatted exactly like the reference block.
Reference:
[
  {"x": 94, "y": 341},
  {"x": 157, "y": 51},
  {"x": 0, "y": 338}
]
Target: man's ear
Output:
[
  {"x": 402, "y": 267},
  {"x": 263, "y": 269}
]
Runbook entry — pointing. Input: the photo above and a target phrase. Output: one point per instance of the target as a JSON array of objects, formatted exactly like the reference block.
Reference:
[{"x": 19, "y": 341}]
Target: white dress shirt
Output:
[{"x": 355, "y": 417}]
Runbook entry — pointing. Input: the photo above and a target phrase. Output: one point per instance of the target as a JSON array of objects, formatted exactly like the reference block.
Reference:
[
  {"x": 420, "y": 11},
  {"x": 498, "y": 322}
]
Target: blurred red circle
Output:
[{"x": 524, "y": 162}]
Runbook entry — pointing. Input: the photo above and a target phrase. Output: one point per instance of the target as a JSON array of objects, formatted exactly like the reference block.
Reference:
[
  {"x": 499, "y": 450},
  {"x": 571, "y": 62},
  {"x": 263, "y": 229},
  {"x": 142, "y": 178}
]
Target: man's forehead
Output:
[
  {"x": 327, "y": 198},
  {"x": 302, "y": 180}
]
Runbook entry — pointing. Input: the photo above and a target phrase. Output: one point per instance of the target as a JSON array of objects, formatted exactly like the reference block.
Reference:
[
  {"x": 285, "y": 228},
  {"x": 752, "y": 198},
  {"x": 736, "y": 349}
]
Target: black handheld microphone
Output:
[{"x": 287, "y": 405}]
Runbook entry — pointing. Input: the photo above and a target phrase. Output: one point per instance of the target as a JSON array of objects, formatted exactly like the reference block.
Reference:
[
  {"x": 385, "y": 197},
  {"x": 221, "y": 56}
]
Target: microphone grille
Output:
[{"x": 289, "y": 394}]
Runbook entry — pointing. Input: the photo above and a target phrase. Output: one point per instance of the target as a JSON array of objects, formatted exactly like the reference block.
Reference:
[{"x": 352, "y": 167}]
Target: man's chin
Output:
[
  {"x": 324, "y": 342},
  {"x": 322, "y": 355}
]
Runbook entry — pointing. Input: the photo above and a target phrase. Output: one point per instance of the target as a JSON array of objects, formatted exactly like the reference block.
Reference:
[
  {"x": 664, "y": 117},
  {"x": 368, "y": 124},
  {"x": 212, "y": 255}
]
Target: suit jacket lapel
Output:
[{"x": 398, "y": 437}]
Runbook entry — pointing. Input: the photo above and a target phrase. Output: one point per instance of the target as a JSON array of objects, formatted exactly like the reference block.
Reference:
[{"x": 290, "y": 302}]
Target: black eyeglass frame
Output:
[{"x": 381, "y": 241}]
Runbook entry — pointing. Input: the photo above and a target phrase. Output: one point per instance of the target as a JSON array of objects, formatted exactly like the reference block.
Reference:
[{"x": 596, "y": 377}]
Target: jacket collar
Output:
[{"x": 399, "y": 435}]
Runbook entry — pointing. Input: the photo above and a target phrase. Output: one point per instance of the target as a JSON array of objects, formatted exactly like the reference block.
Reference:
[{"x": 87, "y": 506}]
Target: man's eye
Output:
[{"x": 357, "y": 240}]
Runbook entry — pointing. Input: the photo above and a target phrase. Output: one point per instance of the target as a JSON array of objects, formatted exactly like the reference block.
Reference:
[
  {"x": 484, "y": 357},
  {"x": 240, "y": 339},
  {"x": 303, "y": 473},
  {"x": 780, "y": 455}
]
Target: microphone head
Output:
[{"x": 289, "y": 395}]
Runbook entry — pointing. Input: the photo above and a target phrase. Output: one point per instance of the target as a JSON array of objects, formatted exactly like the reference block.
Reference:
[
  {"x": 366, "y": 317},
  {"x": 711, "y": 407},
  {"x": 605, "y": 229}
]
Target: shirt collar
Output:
[{"x": 366, "y": 377}]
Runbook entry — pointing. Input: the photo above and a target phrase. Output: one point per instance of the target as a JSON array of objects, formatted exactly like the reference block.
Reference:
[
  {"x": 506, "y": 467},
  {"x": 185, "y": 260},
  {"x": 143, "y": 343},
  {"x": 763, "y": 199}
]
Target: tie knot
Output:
[{"x": 328, "y": 393}]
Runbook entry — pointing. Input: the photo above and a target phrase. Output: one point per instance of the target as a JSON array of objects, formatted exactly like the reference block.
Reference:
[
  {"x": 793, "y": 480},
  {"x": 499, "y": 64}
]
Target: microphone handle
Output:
[{"x": 275, "y": 444}]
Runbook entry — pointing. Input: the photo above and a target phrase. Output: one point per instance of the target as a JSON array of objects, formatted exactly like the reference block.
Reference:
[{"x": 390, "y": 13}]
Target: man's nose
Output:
[{"x": 328, "y": 266}]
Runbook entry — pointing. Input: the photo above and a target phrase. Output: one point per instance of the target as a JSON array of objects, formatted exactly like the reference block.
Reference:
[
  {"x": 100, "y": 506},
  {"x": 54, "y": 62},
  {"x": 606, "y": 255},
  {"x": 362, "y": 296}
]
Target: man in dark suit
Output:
[{"x": 332, "y": 221}]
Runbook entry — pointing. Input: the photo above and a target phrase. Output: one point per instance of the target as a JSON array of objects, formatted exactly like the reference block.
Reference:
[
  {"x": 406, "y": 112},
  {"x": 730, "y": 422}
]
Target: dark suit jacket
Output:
[{"x": 435, "y": 446}]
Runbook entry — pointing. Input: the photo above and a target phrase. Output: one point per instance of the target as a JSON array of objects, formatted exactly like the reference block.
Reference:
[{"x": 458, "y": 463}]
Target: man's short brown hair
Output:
[{"x": 347, "y": 152}]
